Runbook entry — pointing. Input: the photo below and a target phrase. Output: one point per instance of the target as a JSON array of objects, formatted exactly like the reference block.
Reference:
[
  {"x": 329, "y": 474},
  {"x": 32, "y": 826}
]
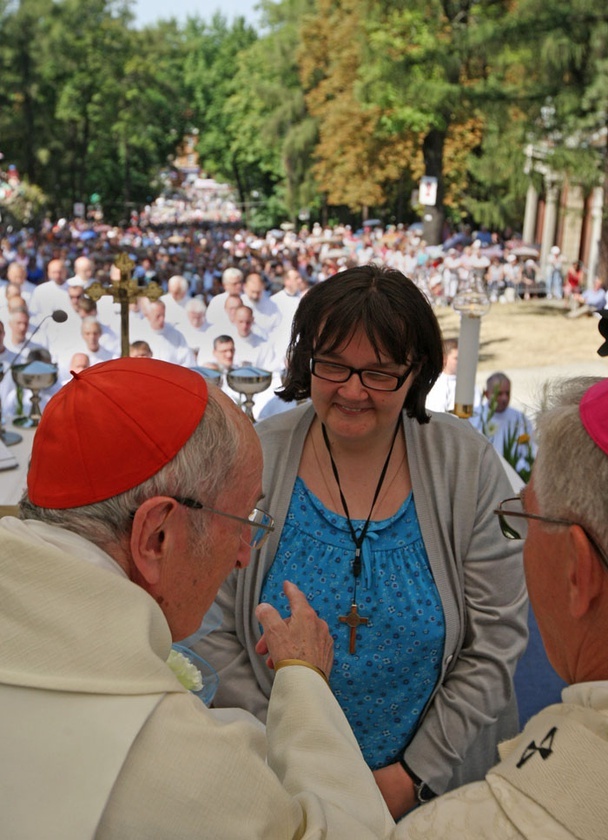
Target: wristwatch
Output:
[{"x": 422, "y": 791}]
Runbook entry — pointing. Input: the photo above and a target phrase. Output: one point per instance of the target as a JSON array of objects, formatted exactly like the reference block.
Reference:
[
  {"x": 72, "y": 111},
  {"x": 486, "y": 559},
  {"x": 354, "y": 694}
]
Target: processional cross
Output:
[
  {"x": 124, "y": 291},
  {"x": 353, "y": 619}
]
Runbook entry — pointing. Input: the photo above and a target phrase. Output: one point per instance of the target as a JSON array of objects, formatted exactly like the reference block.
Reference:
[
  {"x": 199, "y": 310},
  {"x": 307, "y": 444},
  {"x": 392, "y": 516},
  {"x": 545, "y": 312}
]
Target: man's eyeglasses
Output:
[
  {"x": 374, "y": 379},
  {"x": 260, "y": 522},
  {"x": 513, "y": 523}
]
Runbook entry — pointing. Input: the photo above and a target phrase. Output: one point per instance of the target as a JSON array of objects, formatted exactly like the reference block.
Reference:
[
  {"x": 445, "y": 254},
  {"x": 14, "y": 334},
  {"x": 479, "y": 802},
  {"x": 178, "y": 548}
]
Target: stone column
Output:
[
  {"x": 549, "y": 224},
  {"x": 596, "y": 234}
]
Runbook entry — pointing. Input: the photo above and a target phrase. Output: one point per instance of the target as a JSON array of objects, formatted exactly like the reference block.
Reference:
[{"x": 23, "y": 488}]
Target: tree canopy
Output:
[{"x": 329, "y": 108}]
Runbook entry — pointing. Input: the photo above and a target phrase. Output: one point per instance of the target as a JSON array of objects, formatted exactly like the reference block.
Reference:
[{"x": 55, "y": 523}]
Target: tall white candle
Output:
[{"x": 468, "y": 355}]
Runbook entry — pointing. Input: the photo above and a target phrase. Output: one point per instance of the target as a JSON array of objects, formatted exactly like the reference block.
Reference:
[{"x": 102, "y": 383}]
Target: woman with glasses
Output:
[{"x": 384, "y": 519}]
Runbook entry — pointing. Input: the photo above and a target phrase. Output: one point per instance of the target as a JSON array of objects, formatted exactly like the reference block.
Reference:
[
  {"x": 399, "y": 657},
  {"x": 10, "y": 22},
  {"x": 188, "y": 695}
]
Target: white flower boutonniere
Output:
[{"x": 185, "y": 671}]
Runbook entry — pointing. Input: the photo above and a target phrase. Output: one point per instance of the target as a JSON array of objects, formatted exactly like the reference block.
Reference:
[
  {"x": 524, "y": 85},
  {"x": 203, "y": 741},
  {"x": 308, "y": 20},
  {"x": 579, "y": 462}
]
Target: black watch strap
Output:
[
  {"x": 421, "y": 789},
  {"x": 423, "y": 793}
]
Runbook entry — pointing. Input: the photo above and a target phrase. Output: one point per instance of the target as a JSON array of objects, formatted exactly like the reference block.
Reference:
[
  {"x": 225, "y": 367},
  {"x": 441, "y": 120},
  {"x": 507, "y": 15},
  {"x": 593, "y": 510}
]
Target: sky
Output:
[{"x": 149, "y": 11}]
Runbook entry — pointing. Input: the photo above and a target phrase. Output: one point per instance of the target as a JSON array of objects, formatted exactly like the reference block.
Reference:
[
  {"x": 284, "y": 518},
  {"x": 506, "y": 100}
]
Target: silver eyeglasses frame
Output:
[
  {"x": 511, "y": 534},
  {"x": 261, "y": 523}
]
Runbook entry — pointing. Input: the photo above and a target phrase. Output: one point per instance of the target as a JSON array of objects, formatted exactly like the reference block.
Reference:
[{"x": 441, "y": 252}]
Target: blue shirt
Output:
[{"x": 385, "y": 685}]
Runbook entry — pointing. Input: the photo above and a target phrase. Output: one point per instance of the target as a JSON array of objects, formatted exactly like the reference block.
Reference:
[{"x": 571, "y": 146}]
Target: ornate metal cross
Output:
[{"x": 124, "y": 291}]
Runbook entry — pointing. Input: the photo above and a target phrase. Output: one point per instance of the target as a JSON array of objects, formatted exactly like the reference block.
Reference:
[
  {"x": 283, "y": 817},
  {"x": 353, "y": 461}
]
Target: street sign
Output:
[{"x": 428, "y": 191}]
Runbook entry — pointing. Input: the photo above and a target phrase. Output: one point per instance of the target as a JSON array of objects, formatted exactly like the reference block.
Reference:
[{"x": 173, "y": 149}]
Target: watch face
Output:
[{"x": 425, "y": 794}]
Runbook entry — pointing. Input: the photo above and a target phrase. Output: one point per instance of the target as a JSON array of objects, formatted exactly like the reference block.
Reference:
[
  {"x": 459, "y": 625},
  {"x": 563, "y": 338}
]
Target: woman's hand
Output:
[
  {"x": 303, "y": 636},
  {"x": 397, "y": 788}
]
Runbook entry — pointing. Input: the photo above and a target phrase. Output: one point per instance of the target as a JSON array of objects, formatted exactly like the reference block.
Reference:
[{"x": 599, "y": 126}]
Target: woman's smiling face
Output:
[{"x": 349, "y": 410}]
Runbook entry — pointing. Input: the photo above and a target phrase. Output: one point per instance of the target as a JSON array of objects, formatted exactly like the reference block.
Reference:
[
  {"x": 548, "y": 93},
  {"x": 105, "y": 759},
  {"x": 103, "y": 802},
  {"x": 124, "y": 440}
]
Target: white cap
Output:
[{"x": 555, "y": 250}]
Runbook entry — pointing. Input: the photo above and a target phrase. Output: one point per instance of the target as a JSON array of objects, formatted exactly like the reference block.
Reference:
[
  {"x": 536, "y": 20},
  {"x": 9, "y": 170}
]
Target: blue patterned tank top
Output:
[{"x": 385, "y": 685}]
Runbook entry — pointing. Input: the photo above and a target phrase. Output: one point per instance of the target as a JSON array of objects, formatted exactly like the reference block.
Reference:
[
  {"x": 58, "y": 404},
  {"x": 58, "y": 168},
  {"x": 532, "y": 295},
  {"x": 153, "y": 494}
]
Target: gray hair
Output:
[
  {"x": 18, "y": 310},
  {"x": 200, "y": 470},
  {"x": 15, "y": 269},
  {"x": 178, "y": 282},
  {"x": 570, "y": 470},
  {"x": 232, "y": 274},
  {"x": 89, "y": 321},
  {"x": 496, "y": 378},
  {"x": 196, "y": 305}
]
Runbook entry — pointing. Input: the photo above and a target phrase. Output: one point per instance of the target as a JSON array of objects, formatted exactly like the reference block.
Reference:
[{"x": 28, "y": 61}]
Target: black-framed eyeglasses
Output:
[
  {"x": 376, "y": 380},
  {"x": 260, "y": 522},
  {"x": 513, "y": 523}
]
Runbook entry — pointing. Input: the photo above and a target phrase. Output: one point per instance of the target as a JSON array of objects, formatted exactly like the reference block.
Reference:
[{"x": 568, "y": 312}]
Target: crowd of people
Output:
[{"x": 229, "y": 296}]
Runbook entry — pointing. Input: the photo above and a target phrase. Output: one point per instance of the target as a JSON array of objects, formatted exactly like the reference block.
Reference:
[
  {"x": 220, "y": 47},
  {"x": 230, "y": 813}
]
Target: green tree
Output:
[
  {"x": 88, "y": 43},
  {"x": 88, "y": 103},
  {"x": 563, "y": 50},
  {"x": 26, "y": 100},
  {"x": 356, "y": 159},
  {"x": 210, "y": 64},
  {"x": 272, "y": 127},
  {"x": 431, "y": 67},
  {"x": 495, "y": 182},
  {"x": 148, "y": 117}
]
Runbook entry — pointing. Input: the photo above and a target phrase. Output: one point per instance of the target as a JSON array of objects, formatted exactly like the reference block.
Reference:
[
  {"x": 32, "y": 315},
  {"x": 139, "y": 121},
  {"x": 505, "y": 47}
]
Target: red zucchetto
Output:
[
  {"x": 593, "y": 412},
  {"x": 112, "y": 427}
]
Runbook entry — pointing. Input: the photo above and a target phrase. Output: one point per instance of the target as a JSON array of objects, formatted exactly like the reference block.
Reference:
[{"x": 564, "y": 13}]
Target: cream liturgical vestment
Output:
[
  {"x": 100, "y": 740},
  {"x": 550, "y": 784}
]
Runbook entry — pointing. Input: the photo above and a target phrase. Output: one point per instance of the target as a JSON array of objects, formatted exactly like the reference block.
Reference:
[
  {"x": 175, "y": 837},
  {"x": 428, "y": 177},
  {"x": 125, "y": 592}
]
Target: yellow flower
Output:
[{"x": 523, "y": 438}]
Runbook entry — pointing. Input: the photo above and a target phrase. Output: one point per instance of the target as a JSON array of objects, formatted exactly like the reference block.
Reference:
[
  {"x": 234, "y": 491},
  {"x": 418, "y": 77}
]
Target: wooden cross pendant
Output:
[{"x": 353, "y": 619}]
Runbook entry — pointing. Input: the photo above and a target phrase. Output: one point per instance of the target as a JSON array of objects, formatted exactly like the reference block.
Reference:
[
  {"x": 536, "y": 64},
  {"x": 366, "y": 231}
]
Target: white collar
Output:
[
  {"x": 73, "y": 544},
  {"x": 593, "y": 694}
]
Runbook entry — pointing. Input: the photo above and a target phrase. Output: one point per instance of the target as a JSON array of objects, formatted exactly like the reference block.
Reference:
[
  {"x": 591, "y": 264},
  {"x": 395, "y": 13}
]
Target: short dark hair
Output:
[
  {"x": 39, "y": 354},
  {"x": 397, "y": 319},
  {"x": 222, "y": 339},
  {"x": 137, "y": 345}
]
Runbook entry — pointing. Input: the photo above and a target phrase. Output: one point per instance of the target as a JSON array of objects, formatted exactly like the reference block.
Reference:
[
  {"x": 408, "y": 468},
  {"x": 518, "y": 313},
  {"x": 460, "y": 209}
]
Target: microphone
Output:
[{"x": 58, "y": 315}]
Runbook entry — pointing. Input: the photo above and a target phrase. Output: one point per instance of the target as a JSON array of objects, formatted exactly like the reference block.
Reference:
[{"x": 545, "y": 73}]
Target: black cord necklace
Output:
[{"x": 354, "y": 619}]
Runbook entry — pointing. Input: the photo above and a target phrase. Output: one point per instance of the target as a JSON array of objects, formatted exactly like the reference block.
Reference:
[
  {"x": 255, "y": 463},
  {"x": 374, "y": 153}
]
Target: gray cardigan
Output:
[{"x": 457, "y": 481}]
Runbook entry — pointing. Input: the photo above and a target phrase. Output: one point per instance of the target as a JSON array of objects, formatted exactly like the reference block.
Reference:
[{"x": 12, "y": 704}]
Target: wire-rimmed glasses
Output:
[
  {"x": 260, "y": 522},
  {"x": 513, "y": 520}
]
